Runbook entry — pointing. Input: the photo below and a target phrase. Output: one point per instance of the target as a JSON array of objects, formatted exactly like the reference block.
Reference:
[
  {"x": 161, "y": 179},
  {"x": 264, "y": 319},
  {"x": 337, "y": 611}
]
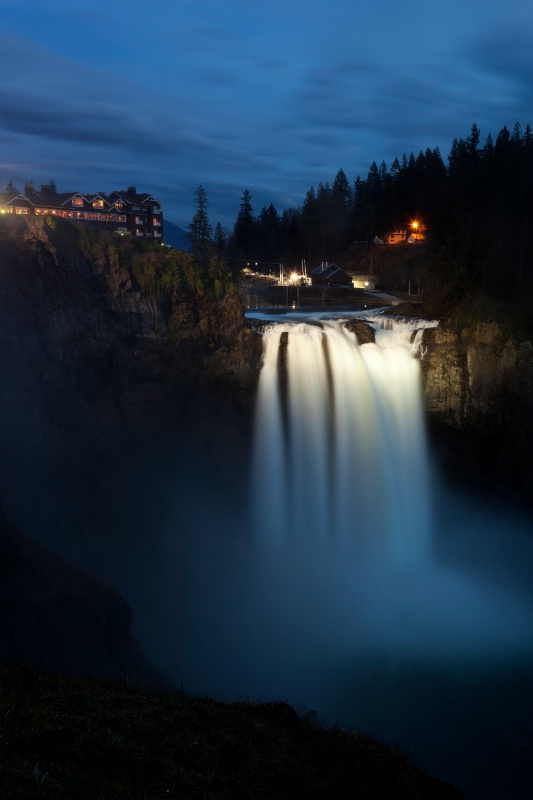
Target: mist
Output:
[
  {"x": 436, "y": 659},
  {"x": 432, "y": 653}
]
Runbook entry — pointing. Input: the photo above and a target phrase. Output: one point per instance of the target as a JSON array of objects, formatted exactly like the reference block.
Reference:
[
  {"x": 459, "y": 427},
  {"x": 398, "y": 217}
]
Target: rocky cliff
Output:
[
  {"x": 94, "y": 369},
  {"x": 478, "y": 385},
  {"x": 106, "y": 392},
  {"x": 55, "y": 617}
]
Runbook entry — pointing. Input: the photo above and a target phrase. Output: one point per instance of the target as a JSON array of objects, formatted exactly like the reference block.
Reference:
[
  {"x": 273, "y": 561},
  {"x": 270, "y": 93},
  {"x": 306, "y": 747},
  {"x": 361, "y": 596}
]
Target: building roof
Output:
[
  {"x": 130, "y": 195},
  {"x": 48, "y": 198},
  {"x": 326, "y": 272}
]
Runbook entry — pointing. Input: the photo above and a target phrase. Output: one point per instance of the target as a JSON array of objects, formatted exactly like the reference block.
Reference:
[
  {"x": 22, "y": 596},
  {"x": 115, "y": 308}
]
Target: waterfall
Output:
[{"x": 340, "y": 451}]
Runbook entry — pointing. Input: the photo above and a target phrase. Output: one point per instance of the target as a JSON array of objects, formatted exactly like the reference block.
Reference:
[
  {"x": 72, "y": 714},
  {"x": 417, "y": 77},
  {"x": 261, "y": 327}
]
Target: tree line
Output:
[{"x": 476, "y": 209}]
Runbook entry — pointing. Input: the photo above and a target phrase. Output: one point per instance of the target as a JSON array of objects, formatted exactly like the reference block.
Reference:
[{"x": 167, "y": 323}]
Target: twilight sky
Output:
[{"x": 274, "y": 97}]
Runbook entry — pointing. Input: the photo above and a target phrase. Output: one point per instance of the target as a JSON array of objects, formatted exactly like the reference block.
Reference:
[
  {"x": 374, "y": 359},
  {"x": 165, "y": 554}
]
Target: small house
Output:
[
  {"x": 329, "y": 275},
  {"x": 396, "y": 237}
]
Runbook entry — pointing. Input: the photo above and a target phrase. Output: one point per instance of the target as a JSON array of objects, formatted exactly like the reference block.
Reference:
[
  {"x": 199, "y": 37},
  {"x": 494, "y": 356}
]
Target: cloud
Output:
[{"x": 234, "y": 96}]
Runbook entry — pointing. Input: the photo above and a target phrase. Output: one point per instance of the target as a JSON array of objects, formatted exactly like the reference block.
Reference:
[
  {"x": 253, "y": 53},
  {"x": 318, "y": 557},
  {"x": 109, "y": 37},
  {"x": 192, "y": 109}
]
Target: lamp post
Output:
[{"x": 415, "y": 225}]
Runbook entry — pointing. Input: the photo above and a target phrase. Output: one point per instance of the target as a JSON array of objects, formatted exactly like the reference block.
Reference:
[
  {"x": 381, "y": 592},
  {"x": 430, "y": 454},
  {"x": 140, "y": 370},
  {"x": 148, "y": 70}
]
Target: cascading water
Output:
[
  {"x": 348, "y": 594},
  {"x": 340, "y": 447},
  {"x": 370, "y": 606}
]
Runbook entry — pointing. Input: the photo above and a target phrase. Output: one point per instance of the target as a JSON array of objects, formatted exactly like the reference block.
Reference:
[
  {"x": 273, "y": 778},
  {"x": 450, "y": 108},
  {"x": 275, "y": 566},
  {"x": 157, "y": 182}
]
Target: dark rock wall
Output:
[
  {"x": 96, "y": 375},
  {"x": 478, "y": 386},
  {"x": 54, "y": 617},
  {"x": 105, "y": 395}
]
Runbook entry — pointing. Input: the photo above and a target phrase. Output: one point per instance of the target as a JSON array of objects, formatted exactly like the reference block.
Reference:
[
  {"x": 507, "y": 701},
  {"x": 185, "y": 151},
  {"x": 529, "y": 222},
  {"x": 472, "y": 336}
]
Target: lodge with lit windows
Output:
[{"x": 124, "y": 212}]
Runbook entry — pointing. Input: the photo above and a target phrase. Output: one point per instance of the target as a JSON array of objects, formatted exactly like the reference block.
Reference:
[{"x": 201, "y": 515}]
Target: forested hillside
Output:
[{"x": 474, "y": 209}]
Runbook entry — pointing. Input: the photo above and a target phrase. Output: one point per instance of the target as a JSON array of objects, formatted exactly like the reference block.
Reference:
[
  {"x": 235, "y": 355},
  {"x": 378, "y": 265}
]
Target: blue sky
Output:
[{"x": 273, "y": 97}]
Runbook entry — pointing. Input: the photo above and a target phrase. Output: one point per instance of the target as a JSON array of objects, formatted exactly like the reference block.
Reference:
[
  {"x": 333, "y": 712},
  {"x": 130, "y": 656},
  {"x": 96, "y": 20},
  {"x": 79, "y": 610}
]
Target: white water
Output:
[
  {"x": 371, "y": 600},
  {"x": 340, "y": 451},
  {"x": 365, "y": 590}
]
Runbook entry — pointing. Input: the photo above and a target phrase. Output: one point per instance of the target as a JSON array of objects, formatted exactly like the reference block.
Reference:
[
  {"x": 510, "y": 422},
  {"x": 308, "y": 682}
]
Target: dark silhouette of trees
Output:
[
  {"x": 244, "y": 240},
  {"x": 268, "y": 233},
  {"x": 220, "y": 238},
  {"x": 476, "y": 209},
  {"x": 200, "y": 231}
]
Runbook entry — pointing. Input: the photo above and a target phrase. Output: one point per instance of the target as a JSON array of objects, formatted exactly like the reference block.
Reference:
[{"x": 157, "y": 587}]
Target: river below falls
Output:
[{"x": 438, "y": 661}]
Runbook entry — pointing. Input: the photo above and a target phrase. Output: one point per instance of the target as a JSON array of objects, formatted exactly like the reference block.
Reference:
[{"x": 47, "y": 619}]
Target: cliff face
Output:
[
  {"x": 55, "y": 617},
  {"x": 94, "y": 370},
  {"x": 106, "y": 392},
  {"x": 478, "y": 387},
  {"x": 72, "y": 316}
]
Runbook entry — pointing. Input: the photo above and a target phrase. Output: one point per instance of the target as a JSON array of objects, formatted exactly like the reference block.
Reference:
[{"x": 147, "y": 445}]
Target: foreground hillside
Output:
[{"x": 85, "y": 739}]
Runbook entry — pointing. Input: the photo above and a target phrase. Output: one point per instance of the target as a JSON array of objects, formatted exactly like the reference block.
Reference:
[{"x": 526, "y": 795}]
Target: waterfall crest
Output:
[{"x": 340, "y": 451}]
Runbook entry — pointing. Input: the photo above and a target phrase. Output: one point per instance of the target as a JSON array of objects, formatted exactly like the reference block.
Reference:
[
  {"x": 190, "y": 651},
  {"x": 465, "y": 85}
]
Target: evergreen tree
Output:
[
  {"x": 200, "y": 231},
  {"x": 340, "y": 192},
  {"x": 373, "y": 182},
  {"x": 488, "y": 148},
  {"x": 244, "y": 230},
  {"x": 341, "y": 202},
  {"x": 472, "y": 143},
  {"x": 220, "y": 238},
  {"x": 268, "y": 232},
  {"x": 309, "y": 223}
]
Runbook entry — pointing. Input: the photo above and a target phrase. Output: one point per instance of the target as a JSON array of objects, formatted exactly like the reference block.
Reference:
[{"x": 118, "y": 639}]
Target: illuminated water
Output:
[
  {"x": 368, "y": 592},
  {"x": 340, "y": 443},
  {"x": 356, "y": 584}
]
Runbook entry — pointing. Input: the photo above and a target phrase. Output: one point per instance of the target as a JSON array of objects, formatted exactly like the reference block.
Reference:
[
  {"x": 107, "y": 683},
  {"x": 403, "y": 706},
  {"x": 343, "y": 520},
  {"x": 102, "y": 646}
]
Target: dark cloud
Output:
[
  {"x": 77, "y": 122},
  {"x": 239, "y": 96},
  {"x": 506, "y": 51}
]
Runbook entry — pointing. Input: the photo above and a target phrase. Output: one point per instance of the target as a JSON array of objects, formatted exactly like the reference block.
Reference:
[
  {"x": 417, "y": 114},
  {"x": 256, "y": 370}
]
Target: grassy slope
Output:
[{"x": 86, "y": 739}]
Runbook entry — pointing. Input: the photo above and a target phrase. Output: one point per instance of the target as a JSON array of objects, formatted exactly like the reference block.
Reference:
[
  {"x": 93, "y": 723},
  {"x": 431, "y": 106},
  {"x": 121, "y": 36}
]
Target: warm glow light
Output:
[
  {"x": 294, "y": 276},
  {"x": 416, "y": 228}
]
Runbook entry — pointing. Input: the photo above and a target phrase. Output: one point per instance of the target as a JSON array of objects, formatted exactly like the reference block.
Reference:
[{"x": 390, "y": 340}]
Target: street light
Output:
[{"x": 415, "y": 225}]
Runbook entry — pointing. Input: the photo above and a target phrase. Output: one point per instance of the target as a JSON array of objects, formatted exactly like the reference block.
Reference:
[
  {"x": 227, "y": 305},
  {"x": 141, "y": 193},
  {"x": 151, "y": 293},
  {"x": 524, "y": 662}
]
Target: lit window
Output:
[
  {"x": 77, "y": 201},
  {"x": 98, "y": 203}
]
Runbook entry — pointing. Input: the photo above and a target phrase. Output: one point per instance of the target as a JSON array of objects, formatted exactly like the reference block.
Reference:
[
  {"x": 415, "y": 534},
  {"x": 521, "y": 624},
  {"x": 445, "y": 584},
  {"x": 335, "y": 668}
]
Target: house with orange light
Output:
[
  {"x": 396, "y": 237},
  {"x": 402, "y": 236},
  {"x": 124, "y": 212}
]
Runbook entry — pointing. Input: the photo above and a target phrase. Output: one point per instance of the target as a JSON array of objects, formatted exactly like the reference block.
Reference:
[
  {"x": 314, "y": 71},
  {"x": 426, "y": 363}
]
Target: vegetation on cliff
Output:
[{"x": 86, "y": 739}]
